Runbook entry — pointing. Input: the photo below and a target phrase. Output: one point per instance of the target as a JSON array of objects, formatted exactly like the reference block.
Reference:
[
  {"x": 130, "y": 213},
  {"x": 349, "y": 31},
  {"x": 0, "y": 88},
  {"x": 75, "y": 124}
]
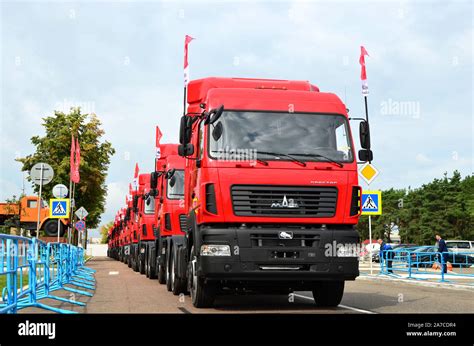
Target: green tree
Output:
[
  {"x": 104, "y": 229},
  {"x": 54, "y": 149},
  {"x": 444, "y": 206}
]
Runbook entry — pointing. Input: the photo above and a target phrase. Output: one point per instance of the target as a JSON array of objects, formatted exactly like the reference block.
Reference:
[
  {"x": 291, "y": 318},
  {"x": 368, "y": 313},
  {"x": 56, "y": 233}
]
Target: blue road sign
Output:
[
  {"x": 371, "y": 202},
  {"x": 59, "y": 208}
]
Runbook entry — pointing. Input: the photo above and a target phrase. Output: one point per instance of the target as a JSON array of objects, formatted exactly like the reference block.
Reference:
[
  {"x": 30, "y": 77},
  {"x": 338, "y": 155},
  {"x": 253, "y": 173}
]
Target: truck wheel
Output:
[
  {"x": 51, "y": 228},
  {"x": 328, "y": 294},
  {"x": 141, "y": 262},
  {"x": 178, "y": 285},
  {"x": 147, "y": 261},
  {"x": 169, "y": 277},
  {"x": 135, "y": 261},
  {"x": 152, "y": 263},
  {"x": 130, "y": 258},
  {"x": 202, "y": 293},
  {"x": 161, "y": 271}
]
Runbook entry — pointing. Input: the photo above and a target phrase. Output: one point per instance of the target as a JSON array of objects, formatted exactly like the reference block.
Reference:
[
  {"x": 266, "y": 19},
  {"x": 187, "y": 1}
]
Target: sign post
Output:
[
  {"x": 41, "y": 174},
  {"x": 59, "y": 209},
  {"x": 371, "y": 205}
]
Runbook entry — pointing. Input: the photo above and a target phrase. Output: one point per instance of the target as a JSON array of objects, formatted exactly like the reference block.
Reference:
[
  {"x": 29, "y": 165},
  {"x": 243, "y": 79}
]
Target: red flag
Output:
[
  {"x": 72, "y": 161},
  {"x": 135, "y": 177},
  {"x": 363, "y": 72},
  {"x": 187, "y": 40},
  {"x": 78, "y": 161},
  {"x": 157, "y": 144}
]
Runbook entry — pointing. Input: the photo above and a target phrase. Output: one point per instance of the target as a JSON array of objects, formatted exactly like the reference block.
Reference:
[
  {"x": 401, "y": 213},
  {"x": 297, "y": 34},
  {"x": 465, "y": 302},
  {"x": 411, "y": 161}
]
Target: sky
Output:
[{"x": 123, "y": 60}]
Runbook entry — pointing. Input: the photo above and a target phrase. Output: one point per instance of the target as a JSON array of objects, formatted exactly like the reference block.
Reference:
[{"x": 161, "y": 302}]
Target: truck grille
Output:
[
  {"x": 281, "y": 201},
  {"x": 182, "y": 222},
  {"x": 273, "y": 240}
]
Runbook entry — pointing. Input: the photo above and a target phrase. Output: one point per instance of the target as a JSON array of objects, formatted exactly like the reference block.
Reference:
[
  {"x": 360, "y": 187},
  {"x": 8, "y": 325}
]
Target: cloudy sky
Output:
[{"x": 123, "y": 61}]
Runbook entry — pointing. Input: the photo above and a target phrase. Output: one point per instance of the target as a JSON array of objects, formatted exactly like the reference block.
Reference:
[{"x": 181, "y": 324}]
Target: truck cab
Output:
[{"x": 271, "y": 190}]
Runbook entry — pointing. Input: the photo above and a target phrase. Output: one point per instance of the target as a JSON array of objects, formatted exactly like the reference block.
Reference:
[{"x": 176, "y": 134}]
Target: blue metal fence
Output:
[
  {"x": 421, "y": 264},
  {"x": 33, "y": 270}
]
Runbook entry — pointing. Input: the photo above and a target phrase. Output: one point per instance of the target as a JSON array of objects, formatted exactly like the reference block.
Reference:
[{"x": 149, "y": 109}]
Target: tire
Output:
[
  {"x": 169, "y": 277},
  {"x": 135, "y": 262},
  {"x": 161, "y": 269},
  {"x": 141, "y": 262},
  {"x": 178, "y": 285},
  {"x": 152, "y": 263},
  {"x": 50, "y": 228},
  {"x": 328, "y": 294},
  {"x": 202, "y": 293},
  {"x": 147, "y": 262}
]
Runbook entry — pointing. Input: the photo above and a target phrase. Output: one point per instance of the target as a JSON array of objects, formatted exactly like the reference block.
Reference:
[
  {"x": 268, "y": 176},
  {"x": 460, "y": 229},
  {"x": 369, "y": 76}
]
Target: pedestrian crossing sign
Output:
[
  {"x": 371, "y": 202},
  {"x": 59, "y": 208}
]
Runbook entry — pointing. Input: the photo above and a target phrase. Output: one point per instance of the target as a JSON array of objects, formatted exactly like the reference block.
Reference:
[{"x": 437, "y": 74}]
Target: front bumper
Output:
[{"x": 259, "y": 256}]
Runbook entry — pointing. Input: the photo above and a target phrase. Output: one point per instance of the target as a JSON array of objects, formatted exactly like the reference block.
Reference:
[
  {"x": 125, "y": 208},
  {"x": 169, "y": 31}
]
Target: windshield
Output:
[
  {"x": 177, "y": 190},
  {"x": 308, "y": 137},
  {"x": 149, "y": 205}
]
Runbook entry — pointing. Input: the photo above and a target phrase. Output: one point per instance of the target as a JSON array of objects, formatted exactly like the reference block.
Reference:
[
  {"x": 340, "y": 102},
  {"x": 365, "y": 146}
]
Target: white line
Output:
[
  {"x": 113, "y": 273},
  {"x": 340, "y": 305}
]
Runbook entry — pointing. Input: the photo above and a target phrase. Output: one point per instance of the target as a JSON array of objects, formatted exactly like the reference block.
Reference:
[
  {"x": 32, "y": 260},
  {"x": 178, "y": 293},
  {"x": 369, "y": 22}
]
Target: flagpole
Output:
[
  {"x": 72, "y": 207},
  {"x": 70, "y": 212}
]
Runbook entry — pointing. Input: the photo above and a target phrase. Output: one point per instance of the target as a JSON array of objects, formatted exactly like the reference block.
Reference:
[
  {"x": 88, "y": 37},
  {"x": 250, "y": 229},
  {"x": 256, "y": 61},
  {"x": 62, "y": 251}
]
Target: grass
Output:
[{"x": 3, "y": 280}]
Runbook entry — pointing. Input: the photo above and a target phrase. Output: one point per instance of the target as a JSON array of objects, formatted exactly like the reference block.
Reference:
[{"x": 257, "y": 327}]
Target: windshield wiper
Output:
[
  {"x": 294, "y": 159},
  {"x": 321, "y": 156}
]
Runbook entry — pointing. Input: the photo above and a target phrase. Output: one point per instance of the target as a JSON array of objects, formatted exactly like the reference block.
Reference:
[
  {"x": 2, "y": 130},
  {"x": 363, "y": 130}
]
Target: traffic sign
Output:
[
  {"x": 371, "y": 202},
  {"x": 60, "y": 191},
  {"x": 81, "y": 213},
  {"x": 80, "y": 225},
  {"x": 41, "y": 173},
  {"x": 59, "y": 208},
  {"x": 368, "y": 172}
]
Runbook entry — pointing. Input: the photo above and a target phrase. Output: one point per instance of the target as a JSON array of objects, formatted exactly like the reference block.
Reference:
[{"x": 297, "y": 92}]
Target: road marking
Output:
[
  {"x": 113, "y": 273},
  {"x": 340, "y": 305}
]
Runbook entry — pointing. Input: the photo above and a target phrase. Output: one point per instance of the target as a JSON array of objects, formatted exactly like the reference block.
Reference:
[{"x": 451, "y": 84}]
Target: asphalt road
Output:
[{"x": 121, "y": 290}]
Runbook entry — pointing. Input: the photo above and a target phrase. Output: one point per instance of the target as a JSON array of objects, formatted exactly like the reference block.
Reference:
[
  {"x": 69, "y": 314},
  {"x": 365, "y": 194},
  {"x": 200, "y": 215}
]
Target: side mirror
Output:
[
  {"x": 185, "y": 149},
  {"x": 185, "y": 128},
  {"x": 154, "y": 179},
  {"x": 364, "y": 134},
  {"x": 366, "y": 155}
]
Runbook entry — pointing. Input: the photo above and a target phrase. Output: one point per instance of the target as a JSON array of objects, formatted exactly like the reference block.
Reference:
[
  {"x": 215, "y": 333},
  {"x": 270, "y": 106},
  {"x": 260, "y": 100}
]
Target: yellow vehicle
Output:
[{"x": 27, "y": 210}]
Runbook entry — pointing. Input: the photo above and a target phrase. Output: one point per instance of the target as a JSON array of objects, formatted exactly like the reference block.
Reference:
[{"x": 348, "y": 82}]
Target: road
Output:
[{"x": 121, "y": 290}]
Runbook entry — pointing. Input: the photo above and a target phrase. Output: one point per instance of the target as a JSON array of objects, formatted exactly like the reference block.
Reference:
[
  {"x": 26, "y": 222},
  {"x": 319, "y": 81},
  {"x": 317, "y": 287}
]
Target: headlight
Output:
[{"x": 215, "y": 250}]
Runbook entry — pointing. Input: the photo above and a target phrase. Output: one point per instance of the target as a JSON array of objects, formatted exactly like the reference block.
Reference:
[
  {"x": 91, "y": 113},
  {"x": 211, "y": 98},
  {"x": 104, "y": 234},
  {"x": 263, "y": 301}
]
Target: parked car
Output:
[
  {"x": 425, "y": 256},
  {"x": 395, "y": 247},
  {"x": 461, "y": 246}
]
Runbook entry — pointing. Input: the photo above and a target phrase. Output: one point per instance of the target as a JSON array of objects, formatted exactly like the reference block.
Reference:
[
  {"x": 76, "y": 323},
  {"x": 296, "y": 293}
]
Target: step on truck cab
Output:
[
  {"x": 271, "y": 190},
  {"x": 167, "y": 185}
]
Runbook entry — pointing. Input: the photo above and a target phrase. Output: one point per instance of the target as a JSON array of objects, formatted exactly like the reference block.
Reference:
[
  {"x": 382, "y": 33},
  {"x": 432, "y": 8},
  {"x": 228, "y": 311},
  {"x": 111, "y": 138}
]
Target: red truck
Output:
[
  {"x": 144, "y": 218},
  {"x": 167, "y": 187},
  {"x": 271, "y": 190}
]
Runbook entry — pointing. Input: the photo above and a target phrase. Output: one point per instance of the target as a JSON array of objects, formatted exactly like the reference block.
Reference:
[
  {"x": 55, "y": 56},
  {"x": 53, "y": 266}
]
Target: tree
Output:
[
  {"x": 444, "y": 206},
  {"x": 54, "y": 148},
  {"x": 104, "y": 230}
]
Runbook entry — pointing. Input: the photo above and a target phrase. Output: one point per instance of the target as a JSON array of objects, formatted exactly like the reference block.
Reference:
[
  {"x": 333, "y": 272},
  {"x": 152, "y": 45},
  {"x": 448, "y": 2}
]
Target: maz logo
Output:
[{"x": 286, "y": 203}]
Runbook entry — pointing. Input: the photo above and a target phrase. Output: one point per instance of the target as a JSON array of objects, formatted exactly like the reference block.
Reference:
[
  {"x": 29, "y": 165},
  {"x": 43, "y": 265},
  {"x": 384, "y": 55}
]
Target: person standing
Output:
[
  {"x": 443, "y": 251},
  {"x": 385, "y": 254}
]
